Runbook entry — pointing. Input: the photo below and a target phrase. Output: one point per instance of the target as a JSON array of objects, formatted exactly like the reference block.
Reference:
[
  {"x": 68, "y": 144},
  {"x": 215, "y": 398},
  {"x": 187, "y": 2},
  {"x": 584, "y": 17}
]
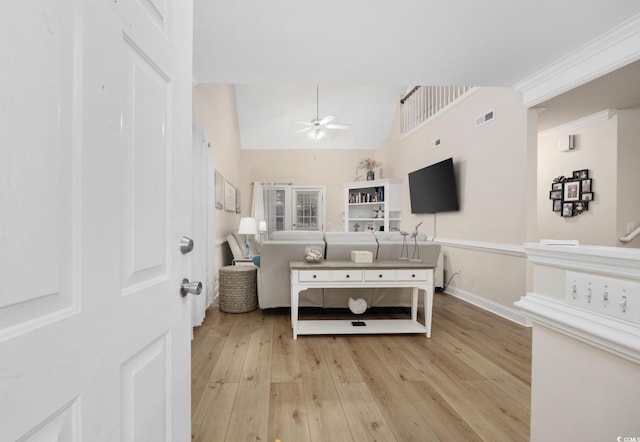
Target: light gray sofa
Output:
[
  {"x": 274, "y": 288},
  {"x": 275, "y": 254}
]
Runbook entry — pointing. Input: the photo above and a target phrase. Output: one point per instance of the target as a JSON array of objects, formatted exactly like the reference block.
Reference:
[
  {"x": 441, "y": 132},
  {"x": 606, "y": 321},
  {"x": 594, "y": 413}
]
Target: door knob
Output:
[
  {"x": 186, "y": 244},
  {"x": 195, "y": 287}
]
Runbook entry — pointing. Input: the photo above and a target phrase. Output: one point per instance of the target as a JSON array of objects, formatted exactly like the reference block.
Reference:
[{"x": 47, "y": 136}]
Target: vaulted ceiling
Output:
[{"x": 364, "y": 54}]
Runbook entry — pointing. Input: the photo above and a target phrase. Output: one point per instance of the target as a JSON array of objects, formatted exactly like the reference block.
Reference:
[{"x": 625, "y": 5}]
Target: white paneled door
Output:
[{"x": 95, "y": 127}]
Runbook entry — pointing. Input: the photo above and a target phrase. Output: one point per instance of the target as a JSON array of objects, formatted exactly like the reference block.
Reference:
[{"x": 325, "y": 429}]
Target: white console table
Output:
[{"x": 345, "y": 274}]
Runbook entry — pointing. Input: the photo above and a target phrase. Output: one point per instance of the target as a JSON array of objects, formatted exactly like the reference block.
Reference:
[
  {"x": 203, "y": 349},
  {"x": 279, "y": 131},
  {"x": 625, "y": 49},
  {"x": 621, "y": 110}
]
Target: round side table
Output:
[{"x": 238, "y": 289}]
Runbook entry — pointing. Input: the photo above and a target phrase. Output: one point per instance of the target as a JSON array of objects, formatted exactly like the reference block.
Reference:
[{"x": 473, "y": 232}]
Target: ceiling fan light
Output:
[{"x": 317, "y": 134}]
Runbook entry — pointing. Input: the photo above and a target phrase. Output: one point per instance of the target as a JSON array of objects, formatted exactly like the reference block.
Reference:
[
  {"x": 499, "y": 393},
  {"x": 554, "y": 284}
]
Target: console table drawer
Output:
[
  {"x": 412, "y": 275},
  {"x": 380, "y": 275},
  {"x": 312, "y": 275},
  {"x": 346, "y": 275}
]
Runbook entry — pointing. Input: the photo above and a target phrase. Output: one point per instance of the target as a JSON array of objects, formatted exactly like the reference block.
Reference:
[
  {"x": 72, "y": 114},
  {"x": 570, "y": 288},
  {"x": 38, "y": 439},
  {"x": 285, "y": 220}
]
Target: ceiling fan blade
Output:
[
  {"x": 326, "y": 120},
  {"x": 306, "y": 123},
  {"x": 338, "y": 126},
  {"x": 302, "y": 130}
]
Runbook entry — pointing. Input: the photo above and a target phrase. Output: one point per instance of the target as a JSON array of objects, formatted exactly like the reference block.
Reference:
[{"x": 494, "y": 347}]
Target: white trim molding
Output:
[
  {"x": 503, "y": 311},
  {"x": 547, "y": 305},
  {"x": 612, "y": 50},
  {"x": 581, "y": 122},
  {"x": 487, "y": 247},
  {"x": 609, "y": 261},
  {"x": 609, "y": 334}
]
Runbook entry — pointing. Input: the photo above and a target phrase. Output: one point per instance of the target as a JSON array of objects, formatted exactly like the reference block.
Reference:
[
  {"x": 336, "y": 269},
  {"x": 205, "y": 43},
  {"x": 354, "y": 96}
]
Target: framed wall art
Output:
[
  {"x": 219, "y": 189},
  {"x": 229, "y": 197},
  {"x": 571, "y": 196}
]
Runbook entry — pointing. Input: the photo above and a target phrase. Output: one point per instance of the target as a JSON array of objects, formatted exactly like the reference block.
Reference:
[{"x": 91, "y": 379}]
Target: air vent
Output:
[
  {"x": 485, "y": 118},
  {"x": 436, "y": 142}
]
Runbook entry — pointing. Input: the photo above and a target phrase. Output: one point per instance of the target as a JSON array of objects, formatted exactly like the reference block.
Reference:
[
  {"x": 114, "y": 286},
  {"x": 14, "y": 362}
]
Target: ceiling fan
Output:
[{"x": 317, "y": 126}]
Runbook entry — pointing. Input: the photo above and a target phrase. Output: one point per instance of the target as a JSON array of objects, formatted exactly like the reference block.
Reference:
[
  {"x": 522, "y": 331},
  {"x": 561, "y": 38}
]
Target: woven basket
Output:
[{"x": 238, "y": 289}]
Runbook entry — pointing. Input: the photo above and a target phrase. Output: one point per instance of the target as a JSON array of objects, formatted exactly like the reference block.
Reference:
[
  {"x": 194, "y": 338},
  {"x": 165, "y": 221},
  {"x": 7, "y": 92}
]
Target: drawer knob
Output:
[
  {"x": 315, "y": 276},
  {"x": 348, "y": 275},
  {"x": 413, "y": 276},
  {"x": 379, "y": 276}
]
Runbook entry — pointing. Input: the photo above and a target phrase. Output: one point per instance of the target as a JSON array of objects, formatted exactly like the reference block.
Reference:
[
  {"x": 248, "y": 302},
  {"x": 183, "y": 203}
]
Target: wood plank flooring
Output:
[{"x": 471, "y": 381}]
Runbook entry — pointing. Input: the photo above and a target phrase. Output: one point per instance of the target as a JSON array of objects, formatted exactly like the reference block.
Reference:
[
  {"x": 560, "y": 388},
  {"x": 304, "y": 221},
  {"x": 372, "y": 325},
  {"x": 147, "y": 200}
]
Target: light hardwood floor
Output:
[{"x": 470, "y": 381}]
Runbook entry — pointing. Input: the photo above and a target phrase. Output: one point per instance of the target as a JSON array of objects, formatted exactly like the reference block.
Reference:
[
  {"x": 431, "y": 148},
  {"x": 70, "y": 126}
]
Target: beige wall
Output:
[
  {"x": 628, "y": 184},
  {"x": 214, "y": 111},
  {"x": 492, "y": 172},
  {"x": 596, "y": 150},
  {"x": 332, "y": 168},
  {"x": 609, "y": 149}
]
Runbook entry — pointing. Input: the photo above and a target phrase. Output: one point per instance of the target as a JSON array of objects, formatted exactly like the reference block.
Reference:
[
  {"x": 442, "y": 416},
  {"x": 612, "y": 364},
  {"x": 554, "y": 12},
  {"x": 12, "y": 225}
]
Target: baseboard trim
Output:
[{"x": 508, "y": 313}]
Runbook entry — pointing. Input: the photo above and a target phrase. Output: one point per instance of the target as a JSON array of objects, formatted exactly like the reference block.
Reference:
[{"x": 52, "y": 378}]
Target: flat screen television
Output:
[{"x": 433, "y": 189}]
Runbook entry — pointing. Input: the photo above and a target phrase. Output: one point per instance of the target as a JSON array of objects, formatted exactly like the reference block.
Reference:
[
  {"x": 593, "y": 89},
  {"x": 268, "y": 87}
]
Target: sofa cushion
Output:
[
  {"x": 396, "y": 236},
  {"x": 349, "y": 237},
  {"x": 296, "y": 235}
]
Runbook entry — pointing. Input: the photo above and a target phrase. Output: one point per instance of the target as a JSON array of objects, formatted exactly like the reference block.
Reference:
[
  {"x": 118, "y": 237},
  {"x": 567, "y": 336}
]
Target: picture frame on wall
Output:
[
  {"x": 219, "y": 189},
  {"x": 567, "y": 209},
  {"x": 555, "y": 194},
  {"x": 557, "y": 205},
  {"x": 229, "y": 197},
  {"x": 581, "y": 174},
  {"x": 237, "y": 200},
  {"x": 556, "y": 186},
  {"x": 586, "y": 186},
  {"x": 580, "y": 206},
  {"x": 587, "y": 196},
  {"x": 572, "y": 191}
]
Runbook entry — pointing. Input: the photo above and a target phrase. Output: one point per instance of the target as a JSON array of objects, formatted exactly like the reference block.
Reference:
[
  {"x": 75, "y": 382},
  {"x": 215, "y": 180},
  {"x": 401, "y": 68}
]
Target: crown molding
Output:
[
  {"x": 615, "y": 48},
  {"x": 581, "y": 122}
]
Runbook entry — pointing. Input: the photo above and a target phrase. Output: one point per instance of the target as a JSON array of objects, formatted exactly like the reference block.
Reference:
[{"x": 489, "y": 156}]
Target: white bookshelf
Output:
[{"x": 366, "y": 200}]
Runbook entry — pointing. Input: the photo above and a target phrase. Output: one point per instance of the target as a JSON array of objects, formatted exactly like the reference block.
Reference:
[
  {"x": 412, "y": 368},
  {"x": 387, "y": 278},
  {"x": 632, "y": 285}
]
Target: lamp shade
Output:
[
  {"x": 247, "y": 226},
  {"x": 262, "y": 227}
]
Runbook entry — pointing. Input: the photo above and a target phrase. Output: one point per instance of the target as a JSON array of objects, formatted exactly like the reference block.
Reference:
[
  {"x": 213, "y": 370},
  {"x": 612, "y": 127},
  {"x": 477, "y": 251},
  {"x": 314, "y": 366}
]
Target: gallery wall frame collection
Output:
[
  {"x": 227, "y": 195},
  {"x": 571, "y": 196}
]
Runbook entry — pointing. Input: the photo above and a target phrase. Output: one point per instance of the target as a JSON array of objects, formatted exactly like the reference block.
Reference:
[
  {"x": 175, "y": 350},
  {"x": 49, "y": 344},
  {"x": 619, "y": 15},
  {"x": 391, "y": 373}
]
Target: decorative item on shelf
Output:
[
  {"x": 369, "y": 165},
  {"x": 312, "y": 255},
  {"x": 404, "y": 253},
  {"x": 416, "y": 250},
  {"x": 357, "y": 306},
  {"x": 571, "y": 195},
  {"x": 370, "y": 228},
  {"x": 380, "y": 212},
  {"x": 247, "y": 227},
  {"x": 356, "y": 227}
]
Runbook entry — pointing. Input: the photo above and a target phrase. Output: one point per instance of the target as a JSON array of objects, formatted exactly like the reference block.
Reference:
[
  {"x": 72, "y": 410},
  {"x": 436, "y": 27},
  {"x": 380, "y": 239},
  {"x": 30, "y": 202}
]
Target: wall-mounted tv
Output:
[{"x": 433, "y": 189}]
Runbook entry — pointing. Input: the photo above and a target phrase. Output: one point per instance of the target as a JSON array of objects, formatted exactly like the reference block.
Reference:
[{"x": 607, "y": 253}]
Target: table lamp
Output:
[{"x": 247, "y": 227}]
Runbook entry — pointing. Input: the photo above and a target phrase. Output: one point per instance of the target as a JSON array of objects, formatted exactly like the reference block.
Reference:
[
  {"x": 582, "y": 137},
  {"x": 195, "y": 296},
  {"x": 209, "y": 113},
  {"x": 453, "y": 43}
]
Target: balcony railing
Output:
[{"x": 425, "y": 102}]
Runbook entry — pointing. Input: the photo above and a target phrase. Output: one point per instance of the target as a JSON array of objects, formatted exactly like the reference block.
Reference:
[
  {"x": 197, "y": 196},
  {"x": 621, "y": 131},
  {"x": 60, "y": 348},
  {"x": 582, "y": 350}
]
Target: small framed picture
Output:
[
  {"x": 555, "y": 195},
  {"x": 581, "y": 174},
  {"x": 572, "y": 190},
  {"x": 586, "y": 185},
  {"x": 567, "y": 209},
  {"x": 587, "y": 196},
  {"x": 580, "y": 206},
  {"x": 556, "y": 186},
  {"x": 557, "y": 205},
  {"x": 219, "y": 190}
]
